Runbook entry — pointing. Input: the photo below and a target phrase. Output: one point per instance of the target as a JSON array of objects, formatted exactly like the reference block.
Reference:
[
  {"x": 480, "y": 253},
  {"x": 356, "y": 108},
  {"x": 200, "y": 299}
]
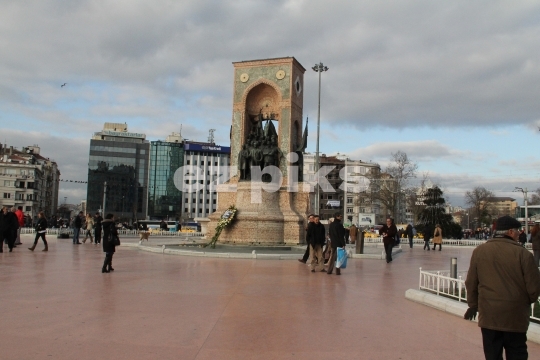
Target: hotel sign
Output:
[
  {"x": 123, "y": 134},
  {"x": 209, "y": 148}
]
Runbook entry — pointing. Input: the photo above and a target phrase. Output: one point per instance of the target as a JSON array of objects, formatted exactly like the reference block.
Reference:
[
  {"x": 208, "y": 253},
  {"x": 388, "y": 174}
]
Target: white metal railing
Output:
[
  {"x": 449, "y": 242},
  {"x": 440, "y": 283},
  {"x": 56, "y": 231}
]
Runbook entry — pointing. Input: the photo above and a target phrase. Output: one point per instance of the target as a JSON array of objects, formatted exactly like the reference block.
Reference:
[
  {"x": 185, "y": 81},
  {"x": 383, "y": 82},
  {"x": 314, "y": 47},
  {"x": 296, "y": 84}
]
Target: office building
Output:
[
  {"x": 118, "y": 172},
  {"x": 212, "y": 161},
  {"x": 164, "y": 197}
]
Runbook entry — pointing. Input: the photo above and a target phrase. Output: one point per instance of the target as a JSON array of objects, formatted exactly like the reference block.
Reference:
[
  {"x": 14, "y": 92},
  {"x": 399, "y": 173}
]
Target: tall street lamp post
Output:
[
  {"x": 524, "y": 191},
  {"x": 318, "y": 68}
]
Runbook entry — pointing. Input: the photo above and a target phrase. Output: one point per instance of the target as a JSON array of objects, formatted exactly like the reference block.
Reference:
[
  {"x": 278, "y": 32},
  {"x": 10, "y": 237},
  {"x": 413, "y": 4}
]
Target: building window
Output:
[
  {"x": 200, "y": 201},
  {"x": 188, "y": 162},
  {"x": 200, "y": 211},
  {"x": 214, "y": 201},
  {"x": 202, "y": 162},
  {"x": 186, "y": 200},
  {"x": 29, "y": 197},
  {"x": 30, "y": 185},
  {"x": 207, "y": 211},
  {"x": 7, "y": 195},
  {"x": 28, "y": 208},
  {"x": 349, "y": 200},
  {"x": 7, "y": 182},
  {"x": 349, "y": 210},
  {"x": 215, "y": 163},
  {"x": 193, "y": 210}
]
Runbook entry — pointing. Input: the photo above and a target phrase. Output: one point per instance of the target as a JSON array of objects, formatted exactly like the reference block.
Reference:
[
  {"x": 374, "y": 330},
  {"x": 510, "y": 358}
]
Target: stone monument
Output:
[{"x": 267, "y": 189}]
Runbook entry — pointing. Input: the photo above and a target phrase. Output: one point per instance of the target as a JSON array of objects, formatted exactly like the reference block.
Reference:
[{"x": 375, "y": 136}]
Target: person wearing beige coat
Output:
[{"x": 437, "y": 237}]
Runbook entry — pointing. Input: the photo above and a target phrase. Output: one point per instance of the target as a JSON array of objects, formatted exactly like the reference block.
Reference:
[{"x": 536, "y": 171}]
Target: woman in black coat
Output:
[
  {"x": 109, "y": 235},
  {"x": 388, "y": 231},
  {"x": 97, "y": 227},
  {"x": 41, "y": 230}
]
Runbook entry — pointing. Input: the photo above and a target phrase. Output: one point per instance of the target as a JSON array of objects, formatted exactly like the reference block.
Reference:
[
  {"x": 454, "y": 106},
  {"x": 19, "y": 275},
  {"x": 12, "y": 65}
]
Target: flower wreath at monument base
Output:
[{"x": 224, "y": 221}]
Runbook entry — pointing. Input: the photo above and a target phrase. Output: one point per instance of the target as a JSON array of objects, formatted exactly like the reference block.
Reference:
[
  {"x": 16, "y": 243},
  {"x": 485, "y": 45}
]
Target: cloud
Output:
[{"x": 425, "y": 150}]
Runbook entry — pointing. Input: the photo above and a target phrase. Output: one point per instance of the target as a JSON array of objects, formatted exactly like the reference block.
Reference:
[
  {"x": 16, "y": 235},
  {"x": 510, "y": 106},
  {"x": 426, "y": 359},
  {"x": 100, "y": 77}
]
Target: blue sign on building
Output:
[{"x": 208, "y": 148}]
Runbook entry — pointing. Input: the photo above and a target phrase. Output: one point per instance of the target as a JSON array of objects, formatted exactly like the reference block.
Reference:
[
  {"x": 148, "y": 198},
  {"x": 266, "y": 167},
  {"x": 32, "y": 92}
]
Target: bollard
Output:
[
  {"x": 453, "y": 268},
  {"x": 360, "y": 244}
]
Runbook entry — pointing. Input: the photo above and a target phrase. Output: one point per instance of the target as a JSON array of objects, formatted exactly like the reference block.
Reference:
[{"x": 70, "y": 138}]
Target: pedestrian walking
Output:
[
  {"x": 353, "y": 232},
  {"x": 305, "y": 258},
  {"x": 336, "y": 231},
  {"x": 427, "y": 235},
  {"x": 437, "y": 237},
  {"x": 20, "y": 218},
  {"x": 522, "y": 238},
  {"x": 535, "y": 239},
  {"x": 97, "y": 228},
  {"x": 388, "y": 231},
  {"x": 2, "y": 228},
  {"x": 89, "y": 226},
  {"x": 11, "y": 224},
  {"x": 41, "y": 230},
  {"x": 110, "y": 234},
  {"x": 410, "y": 235},
  {"x": 502, "y": 283},
  {"x": 316, "y": 236},
  {"x": 77, "y": 224}
]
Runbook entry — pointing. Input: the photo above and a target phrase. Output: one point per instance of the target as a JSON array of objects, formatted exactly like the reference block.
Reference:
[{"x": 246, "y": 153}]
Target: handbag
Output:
[{"x": 116, "y": 241}]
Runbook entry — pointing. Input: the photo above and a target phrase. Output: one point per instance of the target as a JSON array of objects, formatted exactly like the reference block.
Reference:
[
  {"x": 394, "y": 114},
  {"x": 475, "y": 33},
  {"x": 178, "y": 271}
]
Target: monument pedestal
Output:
[{"x": 278, "y": 218}]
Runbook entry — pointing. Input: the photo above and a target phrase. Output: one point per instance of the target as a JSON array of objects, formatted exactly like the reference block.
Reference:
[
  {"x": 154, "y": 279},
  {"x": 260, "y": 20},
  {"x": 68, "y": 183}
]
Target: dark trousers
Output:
[
  {"x": 107, "y": 263},
  {"x": 76, "y": 235},
  {"x": 42, "y": 236},
  {"x": 410, "y": 241},
  {"x": 10, "y": 237},
  {"x": 388, "y": 245},
  {"x": 426, "y": 244},
  {"x": 306, "y": 254},
  {"x": 435, "y": 246},
  {"x": 97, "y": 236},
  {"x": 514, "y": 344}
]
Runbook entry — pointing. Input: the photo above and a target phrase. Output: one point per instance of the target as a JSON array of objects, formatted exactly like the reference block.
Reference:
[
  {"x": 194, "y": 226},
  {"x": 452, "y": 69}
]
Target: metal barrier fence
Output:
[
  {"x": 449, "y": 242},
  {"x": 440, "y": 283},
  {"x": 69, "y": 231}
]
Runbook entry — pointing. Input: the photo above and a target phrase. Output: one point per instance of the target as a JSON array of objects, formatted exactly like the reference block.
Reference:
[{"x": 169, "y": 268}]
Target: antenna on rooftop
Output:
[{"x": 211, "y": 136}]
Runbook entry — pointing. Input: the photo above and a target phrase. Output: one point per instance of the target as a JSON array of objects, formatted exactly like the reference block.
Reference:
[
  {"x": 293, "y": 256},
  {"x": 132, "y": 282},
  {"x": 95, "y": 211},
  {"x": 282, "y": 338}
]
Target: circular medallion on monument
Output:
[
  {"x": 244, "y": 77},
  {"x": 280, "y": 74}
]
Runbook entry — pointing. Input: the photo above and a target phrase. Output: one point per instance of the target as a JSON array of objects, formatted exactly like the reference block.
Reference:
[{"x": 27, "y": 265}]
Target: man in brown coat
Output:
[{"x": 502, "y": 283}]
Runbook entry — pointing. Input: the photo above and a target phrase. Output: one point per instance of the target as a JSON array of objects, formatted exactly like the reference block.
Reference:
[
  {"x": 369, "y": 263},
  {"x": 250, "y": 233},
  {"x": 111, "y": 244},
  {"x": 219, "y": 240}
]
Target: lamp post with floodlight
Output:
[{"x": 318, "y": 68}]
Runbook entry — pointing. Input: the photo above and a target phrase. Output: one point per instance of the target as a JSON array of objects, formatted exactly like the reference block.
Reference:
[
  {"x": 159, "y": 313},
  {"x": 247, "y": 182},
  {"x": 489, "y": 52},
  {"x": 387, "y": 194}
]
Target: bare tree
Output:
[
  {"x": 535, "y": 198},
  {"x": 478, "y": 200},
  {"x": 396, "y": 179}
]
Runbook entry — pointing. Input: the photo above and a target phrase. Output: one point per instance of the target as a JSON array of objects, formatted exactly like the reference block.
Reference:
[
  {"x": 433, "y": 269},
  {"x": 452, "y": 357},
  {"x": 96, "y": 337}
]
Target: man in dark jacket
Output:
[
  {"x": 305, "y": 258},
  {"x": 410, "y": 235},
  {"x": 316, "y": 235},
  {"x": 336, "y": 231},
  {"x": 11, "y": 225},
  {"x": 110, "y": 233},
  {"x": 388, "y": 231},
  {"x": 502, "y": 283},
  {"x": 2, "y": 229},
  {"x": 77, "y": 224},
  {"x": 428, "y": 230},
  {"x": 97, "y": 227}
]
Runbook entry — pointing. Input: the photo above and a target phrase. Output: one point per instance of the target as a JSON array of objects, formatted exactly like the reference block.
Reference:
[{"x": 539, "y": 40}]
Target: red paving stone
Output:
[{"x": 58, "y": 305}]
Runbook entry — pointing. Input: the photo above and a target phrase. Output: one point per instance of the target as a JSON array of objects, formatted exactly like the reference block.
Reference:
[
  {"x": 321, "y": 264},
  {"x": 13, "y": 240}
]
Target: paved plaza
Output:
[{"x": 58, "y": 305}]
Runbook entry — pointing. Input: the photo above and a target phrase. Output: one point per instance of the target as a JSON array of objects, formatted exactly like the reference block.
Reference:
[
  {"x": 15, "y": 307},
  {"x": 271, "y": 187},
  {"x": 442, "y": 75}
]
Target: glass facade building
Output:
[
  {"x": 164, "y": 198},
  {"x": 120, "y": 159}
]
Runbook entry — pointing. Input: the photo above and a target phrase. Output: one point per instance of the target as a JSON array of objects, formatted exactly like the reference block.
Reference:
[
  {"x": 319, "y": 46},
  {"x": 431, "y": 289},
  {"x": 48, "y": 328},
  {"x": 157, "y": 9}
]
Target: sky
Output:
[{"x": 455, "y": 84}]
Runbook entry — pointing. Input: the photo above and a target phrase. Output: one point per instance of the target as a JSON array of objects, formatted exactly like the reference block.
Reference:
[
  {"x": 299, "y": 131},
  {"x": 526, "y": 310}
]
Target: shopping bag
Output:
[{"x": 341, "y": 261}]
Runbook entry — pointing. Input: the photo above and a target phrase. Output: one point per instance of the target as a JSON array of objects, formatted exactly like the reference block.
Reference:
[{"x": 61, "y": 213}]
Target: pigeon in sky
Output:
[{"x": 64, "y": 84}]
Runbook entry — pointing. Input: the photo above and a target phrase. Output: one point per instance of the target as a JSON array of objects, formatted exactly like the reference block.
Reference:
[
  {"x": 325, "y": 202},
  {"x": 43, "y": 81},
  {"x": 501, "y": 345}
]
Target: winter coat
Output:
[
  {"x": 109, "y": 228},
  {"x": 97, "y": 224},
  {"x": 437, "y": 239},
  {"x": 316, "y": 234},
  {"x": 41, "y": 225},
  {"x": 20, "y": 217},
  {"x": 502, "y": 282},
  {"x": 409, "y": 231},
  {"x": 390, "y": 232},
  {"x": 536, "y": 241},
  {"x": 353, "y": 231},
  {"x": 89, "y": 224},
  {"x": 77, "y": 222},
  {"x": 11, "y": 223},
  {"x": 427, "y": 232},
  {"x": 336, "y": 231}
]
